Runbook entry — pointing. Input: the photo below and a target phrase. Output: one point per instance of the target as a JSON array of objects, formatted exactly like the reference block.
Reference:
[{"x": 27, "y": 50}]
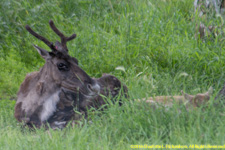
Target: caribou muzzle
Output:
[{"x": 87, "y": 90}]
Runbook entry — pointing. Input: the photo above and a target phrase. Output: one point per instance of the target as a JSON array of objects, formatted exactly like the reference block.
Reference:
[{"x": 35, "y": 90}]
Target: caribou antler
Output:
[
  {"x": 64, "y": 39},
  {"x": 50, "y": 44},
  {"x": 58, "y": 46}
]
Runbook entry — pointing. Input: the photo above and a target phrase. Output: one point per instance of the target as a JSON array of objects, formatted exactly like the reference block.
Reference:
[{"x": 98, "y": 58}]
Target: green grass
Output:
[{"x": 155, "y": 43}]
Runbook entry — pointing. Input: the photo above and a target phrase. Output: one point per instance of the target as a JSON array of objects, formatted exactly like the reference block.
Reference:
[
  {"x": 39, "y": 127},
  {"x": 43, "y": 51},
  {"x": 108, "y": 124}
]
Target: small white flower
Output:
[{"x": 120, "y": 68}]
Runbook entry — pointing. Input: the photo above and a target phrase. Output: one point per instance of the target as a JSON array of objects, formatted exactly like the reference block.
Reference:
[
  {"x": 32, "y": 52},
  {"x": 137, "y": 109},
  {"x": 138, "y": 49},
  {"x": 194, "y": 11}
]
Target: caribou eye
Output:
[{"x": 63, "y": 67}]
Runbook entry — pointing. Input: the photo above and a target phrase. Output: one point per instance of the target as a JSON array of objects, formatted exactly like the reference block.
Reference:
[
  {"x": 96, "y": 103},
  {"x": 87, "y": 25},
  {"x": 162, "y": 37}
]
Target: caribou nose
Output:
[{"x": 94, "y": 88}]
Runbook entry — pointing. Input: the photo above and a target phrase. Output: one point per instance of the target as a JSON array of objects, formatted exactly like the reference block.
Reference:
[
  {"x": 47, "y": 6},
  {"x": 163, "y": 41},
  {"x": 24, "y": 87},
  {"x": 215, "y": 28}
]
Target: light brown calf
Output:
[{"x": 190, "y": 101}]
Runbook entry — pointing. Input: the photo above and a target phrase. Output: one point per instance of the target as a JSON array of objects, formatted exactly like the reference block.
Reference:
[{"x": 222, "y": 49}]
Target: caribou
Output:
[
  {"x": 39, "y": 94},
  {"x": 53, "y": 95},
  {"x": 110, "y": 88},
  {"x": 188, "y": 101}
]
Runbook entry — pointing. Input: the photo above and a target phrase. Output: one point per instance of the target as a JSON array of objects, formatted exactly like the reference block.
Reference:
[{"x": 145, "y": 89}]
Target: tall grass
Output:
[{"x": 154, "y": 41}]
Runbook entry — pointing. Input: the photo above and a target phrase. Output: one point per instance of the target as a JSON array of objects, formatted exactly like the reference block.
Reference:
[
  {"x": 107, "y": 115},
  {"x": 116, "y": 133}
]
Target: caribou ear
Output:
[
  {"x": 210, "y": 91},
  {"x": 42, "y": 52}
]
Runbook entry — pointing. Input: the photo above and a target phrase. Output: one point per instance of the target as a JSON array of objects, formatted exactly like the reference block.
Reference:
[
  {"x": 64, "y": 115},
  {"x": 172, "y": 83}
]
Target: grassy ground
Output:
[{"x": 153, "y": 41}]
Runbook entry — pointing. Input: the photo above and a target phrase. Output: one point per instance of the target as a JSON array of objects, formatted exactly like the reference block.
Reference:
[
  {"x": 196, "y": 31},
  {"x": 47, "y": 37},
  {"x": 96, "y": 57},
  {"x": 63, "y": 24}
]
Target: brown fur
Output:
[
  {"x": 18, "y": 112},
  {"x": 110, "y": 87},
  {"x": 25, "y": 86},
  {"x": 190, "y": 101},
  {"x": 38, "y": 96}
]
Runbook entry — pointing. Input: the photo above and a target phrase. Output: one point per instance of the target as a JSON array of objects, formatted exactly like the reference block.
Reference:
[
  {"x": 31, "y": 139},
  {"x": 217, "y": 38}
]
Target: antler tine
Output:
[
  {"x": 71, "y": 37},
  {"x": 50, "y": 44},
  {"x": 52, "y": 25},
  {"x": 64, "y": 39}
]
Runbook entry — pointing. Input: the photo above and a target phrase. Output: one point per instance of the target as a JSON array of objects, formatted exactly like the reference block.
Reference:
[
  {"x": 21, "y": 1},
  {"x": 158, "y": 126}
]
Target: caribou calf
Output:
[
  {"x": 189, "y": 101},
  {"x": 110, "y": 87}
]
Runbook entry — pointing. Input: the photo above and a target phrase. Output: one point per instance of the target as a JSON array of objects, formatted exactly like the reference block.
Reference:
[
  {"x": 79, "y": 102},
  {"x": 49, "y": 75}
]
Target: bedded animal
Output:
[
  {"x": 189, "y": 101},
  {"x": 38, "y": 95}
]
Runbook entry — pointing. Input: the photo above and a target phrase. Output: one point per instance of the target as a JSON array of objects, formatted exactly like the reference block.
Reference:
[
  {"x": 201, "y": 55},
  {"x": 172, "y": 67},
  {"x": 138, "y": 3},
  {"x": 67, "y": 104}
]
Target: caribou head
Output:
[{"x": 38, "y": 96}]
